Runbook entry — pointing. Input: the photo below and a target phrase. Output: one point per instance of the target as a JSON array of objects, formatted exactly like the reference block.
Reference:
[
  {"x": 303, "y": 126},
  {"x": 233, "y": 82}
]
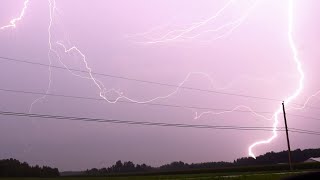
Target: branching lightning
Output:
[
  {"x": 178, "y": 34},
  {"x": 102, "y": 90},
  {"x": 183, "y": 35}
]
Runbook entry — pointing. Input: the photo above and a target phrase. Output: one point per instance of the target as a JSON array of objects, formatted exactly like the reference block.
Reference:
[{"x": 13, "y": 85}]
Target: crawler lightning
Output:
[
  {"x": 183, "y": 32},
  {"x": 187, "y": 33}
]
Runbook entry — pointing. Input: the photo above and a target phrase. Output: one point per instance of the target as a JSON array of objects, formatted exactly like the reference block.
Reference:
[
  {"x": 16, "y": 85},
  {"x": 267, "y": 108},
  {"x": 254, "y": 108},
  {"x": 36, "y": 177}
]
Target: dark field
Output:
[
  {"x": 244, "y": 176},
  {"x": 268, "y": 172}
]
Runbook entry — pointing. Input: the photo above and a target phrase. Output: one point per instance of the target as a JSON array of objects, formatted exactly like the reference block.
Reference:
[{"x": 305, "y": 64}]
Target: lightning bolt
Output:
[
  {"x": 298, "y": 90},
  {"x": 52, "y": 7},
  {"x": 13, "y": 22}
]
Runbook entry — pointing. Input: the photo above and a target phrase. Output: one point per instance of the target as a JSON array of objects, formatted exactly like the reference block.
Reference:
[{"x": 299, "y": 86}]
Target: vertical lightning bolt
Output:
[
  {"x": 13, "y": 22},
  {"x": 52, "y": 7},
  {"x": 296, "y": 93}
]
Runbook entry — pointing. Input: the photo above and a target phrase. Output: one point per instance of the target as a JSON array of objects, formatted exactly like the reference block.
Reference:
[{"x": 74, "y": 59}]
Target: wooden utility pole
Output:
[{"x": 288, "y": 141}]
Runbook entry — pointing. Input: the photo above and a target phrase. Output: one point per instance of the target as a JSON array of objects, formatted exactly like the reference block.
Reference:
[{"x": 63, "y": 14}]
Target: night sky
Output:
[{"x": 243, "y": 49}]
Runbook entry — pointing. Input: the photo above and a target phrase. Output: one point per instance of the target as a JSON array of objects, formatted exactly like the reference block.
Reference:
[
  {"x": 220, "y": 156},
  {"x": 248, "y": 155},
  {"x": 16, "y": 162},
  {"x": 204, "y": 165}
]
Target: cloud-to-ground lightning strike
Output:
[
  {"x": 300, "y": 86},
  {"x": 13, "y": 22},
  {"x": 172, "y": 36},
  {"x": 182, "y": 33},
  {"x": 288, "y": 100}
]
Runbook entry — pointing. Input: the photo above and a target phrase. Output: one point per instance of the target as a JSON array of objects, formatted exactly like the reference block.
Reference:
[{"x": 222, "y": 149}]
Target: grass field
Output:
[{"x": 267, "y": 176}]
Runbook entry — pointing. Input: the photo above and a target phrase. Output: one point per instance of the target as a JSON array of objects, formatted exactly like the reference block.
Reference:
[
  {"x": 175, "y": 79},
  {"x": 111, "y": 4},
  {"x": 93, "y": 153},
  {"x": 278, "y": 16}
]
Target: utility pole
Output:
[{"x": 288, "y": 141}]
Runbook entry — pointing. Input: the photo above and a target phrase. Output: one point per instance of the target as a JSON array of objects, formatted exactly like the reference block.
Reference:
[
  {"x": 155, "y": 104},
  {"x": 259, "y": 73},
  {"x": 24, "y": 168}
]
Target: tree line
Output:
[
  {"x": 279, "y": 157},
  {"x": 270, "y": 158},
  {"x": 119, "y": 167},
  {"x": 14, "y": 168}
]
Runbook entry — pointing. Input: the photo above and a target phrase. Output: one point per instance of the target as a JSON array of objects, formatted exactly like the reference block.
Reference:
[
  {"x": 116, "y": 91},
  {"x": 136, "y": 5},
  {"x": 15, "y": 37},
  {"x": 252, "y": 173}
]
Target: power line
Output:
[
  {"x": 142, "y": 81},
  {"x": 151, "y": 104},
  {"x": 130, "y": 102},
  {"x": 152, "y": 82},
  {"x": 307, "y": 106},
  {"x": 303, "y": 130},
  {"x": 305, "y": 117},
  {"x": 116, "y": 121},
  {"x": 146, "y": 123},
  {"x": 130, "y": 122}
]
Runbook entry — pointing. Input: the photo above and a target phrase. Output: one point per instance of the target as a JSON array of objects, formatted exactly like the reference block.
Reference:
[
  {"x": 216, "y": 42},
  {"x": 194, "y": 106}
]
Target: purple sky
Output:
[{"x": 254, "y": 59}]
